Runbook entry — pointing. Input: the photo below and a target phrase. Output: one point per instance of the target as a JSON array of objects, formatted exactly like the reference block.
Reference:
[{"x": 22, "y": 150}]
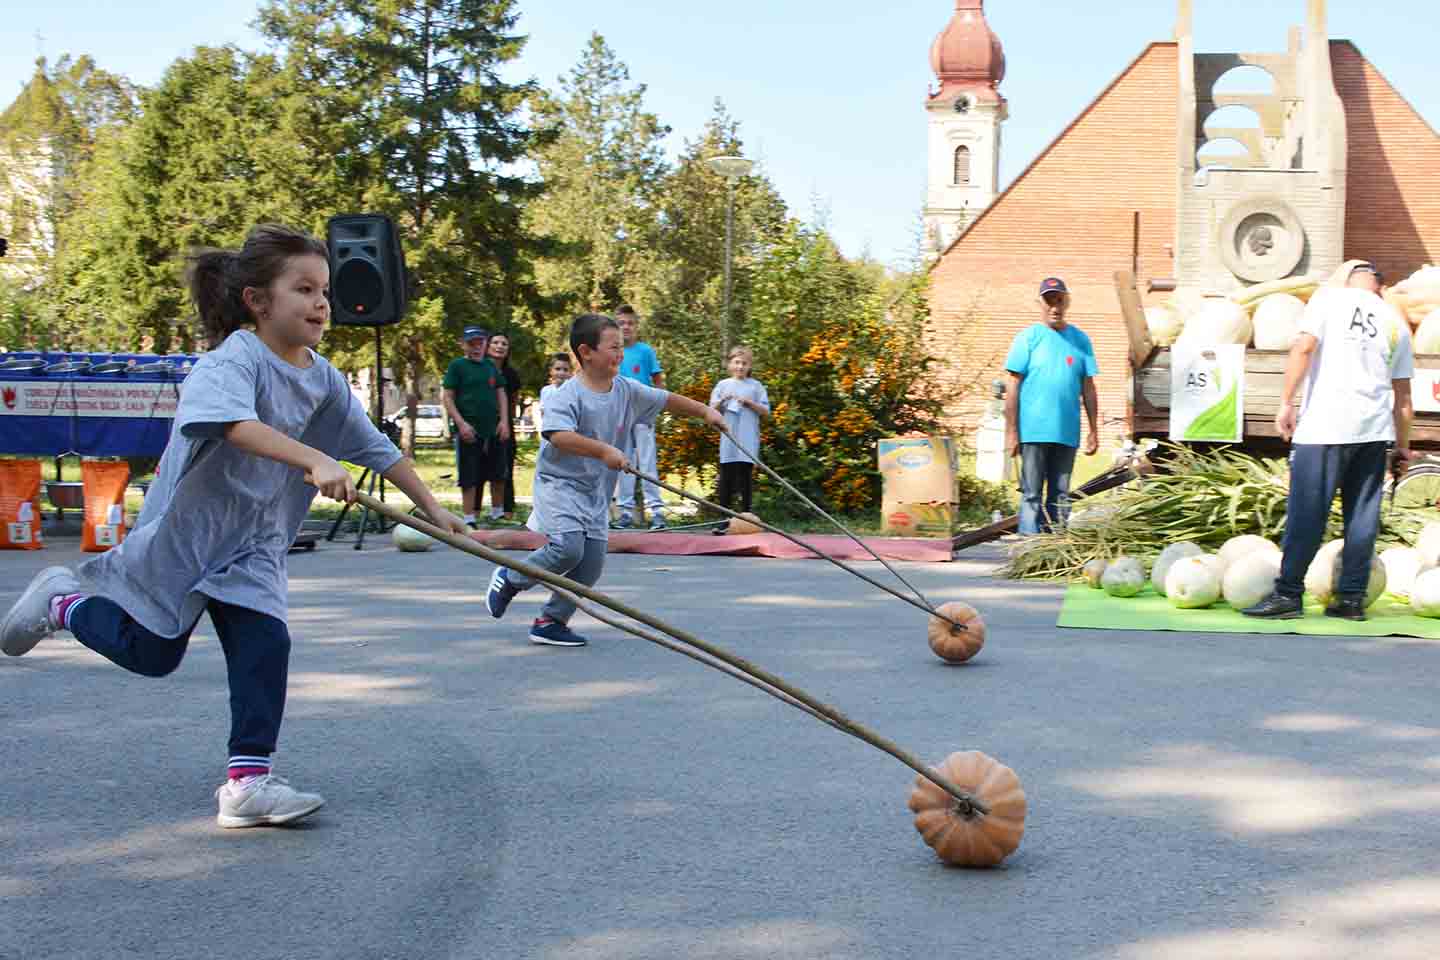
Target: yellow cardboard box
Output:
[{"x": 917, "y": 485}]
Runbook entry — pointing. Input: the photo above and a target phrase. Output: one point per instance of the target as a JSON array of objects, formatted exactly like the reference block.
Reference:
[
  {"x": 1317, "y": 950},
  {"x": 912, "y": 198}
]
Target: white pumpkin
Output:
[
  {"x": 1402, "y": 566},
  {"x": 1216, "y": 563},
  {"x": 1427, "y": 335},
  {"x": 1219, "y": 321},
  {"x": 1324, "y": 574},
  {"x": 1246, "y": 543},
  {"x": 1251, "y": 578},
  {"x": 1425, "y": 594},
  {"x": 1124, "y": 577},
  {"x": 1428, "y": 543},
  {"x": 1094, "y": 570},
  {"x": 1192, "y": 583},
  {"x": 1277, "y": 321},
  {"x": 1373, "y": 590},
  {"x": 1320, "y": 575},
  {"x": 1166, "y": 560},
  {"x": 410, "y": 540},
  {"x": 1164, "y": 325}
]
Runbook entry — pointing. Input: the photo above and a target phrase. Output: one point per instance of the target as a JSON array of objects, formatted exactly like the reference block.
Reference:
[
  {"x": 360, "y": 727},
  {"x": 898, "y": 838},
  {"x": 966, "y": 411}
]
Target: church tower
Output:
[{"x": 966, "y": 112}]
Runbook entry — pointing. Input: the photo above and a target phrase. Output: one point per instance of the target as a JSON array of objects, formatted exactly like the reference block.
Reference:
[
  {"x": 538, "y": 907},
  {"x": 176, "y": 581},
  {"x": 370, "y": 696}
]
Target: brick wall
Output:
[
  {"x": 1392, "y": 208},
  {"x": 1071, "y": 213}
]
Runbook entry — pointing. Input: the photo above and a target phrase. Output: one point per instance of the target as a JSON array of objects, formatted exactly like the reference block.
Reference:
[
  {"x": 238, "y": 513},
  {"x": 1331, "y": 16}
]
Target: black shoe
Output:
[
  {"x": 1352, "y": 609},
  {"x": 1276, "y": 607}
]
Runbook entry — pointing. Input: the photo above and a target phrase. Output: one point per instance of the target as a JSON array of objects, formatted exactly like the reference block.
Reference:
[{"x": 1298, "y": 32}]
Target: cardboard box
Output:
[{"x": 918, "y": 485}]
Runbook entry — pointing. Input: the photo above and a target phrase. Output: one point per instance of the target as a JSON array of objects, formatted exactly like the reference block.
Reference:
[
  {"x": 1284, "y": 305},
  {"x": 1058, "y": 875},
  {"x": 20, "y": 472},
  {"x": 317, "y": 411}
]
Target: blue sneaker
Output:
[
  {"x": 553, "y": 633},
  {"x": 657, "y": 521},
  {"x": 625, "y": 522},
  {"x": 498, "y": 597}
]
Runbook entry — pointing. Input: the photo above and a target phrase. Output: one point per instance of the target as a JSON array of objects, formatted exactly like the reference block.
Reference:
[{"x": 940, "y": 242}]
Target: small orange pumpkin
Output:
[
  {"x": 967, "y": 837},
  {"x": 746, "y": 523},
  {"x": 950, "y": 643}
]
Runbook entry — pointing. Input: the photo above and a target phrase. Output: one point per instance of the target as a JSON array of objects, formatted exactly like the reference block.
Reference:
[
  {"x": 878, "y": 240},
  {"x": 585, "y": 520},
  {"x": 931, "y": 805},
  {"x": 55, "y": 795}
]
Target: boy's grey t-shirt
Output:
[
  {"x": 218, "y": 522},
  {"x": 742, "y": 422},
  {"x": 573, "y": 493}
]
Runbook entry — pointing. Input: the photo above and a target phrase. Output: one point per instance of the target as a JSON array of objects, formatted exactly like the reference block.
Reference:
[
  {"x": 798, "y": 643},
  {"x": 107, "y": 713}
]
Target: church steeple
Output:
[
  {"x": 967, "y": 55},
  {"x": 966, "y": 112}
]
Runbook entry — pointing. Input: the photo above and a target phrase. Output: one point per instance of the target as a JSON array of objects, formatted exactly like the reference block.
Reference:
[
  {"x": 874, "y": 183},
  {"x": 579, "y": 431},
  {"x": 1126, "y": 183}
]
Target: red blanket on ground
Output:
[{"x": 751, "y": 545}]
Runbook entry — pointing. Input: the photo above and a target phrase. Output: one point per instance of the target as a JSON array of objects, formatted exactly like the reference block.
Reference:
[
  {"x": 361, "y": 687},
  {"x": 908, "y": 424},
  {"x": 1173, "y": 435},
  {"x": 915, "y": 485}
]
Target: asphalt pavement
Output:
[{"x": 1191, "y": 796}]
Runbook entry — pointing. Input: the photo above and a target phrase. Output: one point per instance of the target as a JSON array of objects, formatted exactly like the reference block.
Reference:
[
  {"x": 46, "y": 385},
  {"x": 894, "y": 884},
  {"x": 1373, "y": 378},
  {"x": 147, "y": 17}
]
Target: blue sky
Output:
[{"x": 830, "y": 94}]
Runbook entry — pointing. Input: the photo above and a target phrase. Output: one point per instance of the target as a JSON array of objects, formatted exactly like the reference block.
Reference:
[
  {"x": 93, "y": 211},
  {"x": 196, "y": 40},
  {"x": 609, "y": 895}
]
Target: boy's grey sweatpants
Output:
[{"x": 571, "y": 555}]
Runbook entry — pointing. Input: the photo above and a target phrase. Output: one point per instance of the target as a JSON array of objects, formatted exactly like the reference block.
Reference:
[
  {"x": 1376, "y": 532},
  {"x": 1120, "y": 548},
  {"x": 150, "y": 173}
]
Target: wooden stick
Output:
[
  {"x": 954, "y": 624},
  {"x": 967, "y": 802},
  {"x": 843, "y": 529}
]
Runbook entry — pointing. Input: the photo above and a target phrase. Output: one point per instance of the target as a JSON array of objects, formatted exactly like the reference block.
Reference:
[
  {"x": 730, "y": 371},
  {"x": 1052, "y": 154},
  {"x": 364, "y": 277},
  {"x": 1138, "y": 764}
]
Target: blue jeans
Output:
[
  {"x": 1044, "y": 486},
  {"x": 1316, "y": 470},
  {"x": 257, "y": 659}
]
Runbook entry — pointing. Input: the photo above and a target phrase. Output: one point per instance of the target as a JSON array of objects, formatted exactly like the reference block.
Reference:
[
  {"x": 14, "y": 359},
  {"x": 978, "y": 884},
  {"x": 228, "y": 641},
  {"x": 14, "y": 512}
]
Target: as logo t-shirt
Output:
[{"x": 1363, "y": 345}]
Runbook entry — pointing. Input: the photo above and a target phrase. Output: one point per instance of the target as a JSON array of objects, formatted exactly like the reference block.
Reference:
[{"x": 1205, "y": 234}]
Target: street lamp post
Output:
[{"x": 732, "y": 169}]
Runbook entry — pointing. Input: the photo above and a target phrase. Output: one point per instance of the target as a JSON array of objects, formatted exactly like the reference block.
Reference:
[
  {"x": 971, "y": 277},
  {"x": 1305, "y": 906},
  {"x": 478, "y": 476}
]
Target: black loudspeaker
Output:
[{"x": 368, "y": 285}]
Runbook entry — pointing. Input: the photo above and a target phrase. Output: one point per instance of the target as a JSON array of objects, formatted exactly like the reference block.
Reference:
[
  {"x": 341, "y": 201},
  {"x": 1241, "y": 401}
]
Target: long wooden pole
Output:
[{"x": 967, "y": 802}]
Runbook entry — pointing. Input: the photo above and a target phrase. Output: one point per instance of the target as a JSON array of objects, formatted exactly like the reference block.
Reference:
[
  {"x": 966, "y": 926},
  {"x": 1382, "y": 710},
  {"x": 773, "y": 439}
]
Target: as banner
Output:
[{"x": 1207, "y": 393}]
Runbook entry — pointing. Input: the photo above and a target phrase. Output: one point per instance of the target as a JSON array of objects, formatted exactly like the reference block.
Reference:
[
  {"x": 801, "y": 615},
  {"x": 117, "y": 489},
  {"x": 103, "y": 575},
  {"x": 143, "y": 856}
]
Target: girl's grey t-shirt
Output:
[
  {"x": 741, "y": 421},
  {"x": 218, "y": 522},
  {"x": 572, "y": 493}
]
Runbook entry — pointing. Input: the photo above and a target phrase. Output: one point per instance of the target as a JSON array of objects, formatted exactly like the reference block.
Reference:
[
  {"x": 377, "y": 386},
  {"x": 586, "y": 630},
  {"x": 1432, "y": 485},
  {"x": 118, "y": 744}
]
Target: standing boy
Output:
[
  {"x": 1052, "y": 366},
  {"x": 474, "y": 398},
  {"x": 587, "y": 422},
  {"x": 1354, "y": 354},
  {"x": 641, "y": 365}
]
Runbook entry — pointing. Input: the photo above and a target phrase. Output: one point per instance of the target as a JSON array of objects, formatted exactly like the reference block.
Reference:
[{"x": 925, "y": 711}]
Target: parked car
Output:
[{"x": 429, "y": 421}]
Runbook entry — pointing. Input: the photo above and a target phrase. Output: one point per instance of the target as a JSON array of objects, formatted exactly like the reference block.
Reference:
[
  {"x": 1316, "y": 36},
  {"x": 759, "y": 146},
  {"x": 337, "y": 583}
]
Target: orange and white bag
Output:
[
  {"x": 105, "y": 483},
  {"x": 20, "y": 505}
]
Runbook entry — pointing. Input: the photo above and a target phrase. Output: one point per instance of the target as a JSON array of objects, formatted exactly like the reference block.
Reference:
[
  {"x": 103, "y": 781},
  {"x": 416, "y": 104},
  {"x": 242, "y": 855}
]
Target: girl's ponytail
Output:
[
  {"x": 217, "y": 299},
  {"x": 218, "y": 278}
]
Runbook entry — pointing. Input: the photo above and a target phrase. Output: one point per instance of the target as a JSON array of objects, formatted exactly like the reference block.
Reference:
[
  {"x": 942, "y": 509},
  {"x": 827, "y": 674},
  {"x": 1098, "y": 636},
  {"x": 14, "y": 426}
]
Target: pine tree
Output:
[
  {"x": 602, "y": 166},
  {"x": 425, "y": 130}
]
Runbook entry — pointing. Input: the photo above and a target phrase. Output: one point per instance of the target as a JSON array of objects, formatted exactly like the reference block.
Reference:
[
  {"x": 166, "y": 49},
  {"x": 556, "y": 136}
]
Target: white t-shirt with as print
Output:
[{"x": 1363, "y": 345}]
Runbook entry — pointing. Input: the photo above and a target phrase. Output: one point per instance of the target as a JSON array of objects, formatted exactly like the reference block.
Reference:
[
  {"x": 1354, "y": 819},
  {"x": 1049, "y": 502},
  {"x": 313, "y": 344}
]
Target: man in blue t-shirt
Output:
[
  {"x": 1052, "y": 367},
  {"x": 640, "y": 364}
]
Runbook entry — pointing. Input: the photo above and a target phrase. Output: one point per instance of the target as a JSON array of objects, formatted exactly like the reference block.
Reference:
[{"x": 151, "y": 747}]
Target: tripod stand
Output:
[
  {"x": 381, "y": 525},
  {"x": 369, "y": 476}
]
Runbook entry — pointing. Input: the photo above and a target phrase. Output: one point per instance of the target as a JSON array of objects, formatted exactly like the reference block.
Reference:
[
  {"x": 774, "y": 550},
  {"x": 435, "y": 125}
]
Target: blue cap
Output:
[
  {"x": 472, "y": 333},
  {"x": 1053, "y": 285}
]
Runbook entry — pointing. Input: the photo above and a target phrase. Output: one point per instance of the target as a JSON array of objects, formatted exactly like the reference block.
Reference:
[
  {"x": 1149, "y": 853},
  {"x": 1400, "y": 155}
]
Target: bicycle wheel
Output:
[{"x": 1419, "y": 489}]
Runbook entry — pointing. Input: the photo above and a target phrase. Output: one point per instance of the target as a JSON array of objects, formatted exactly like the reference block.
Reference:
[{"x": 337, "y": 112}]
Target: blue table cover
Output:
[{"x": 121, "y": 414}]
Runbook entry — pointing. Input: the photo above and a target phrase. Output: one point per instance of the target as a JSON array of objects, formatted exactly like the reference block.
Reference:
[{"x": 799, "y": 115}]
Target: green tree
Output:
[
  {"x": 602, "y": 167},
  {"x": 221, "y": 143},
  {"x": 423, "y": 129},
  {"x": 840, "y": 348},
  {"x": 683, "y": 291}
]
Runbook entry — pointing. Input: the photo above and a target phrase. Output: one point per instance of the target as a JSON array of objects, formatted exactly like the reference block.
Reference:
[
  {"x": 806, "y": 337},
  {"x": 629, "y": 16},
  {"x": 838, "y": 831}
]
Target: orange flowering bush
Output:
[{"x": 839, "y": 348}]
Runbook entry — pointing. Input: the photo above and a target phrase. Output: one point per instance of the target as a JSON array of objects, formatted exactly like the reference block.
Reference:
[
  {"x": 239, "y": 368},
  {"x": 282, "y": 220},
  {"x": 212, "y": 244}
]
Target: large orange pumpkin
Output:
[
  {"x": 950, "y": 643},
  {"x": 967, "y": 837}
]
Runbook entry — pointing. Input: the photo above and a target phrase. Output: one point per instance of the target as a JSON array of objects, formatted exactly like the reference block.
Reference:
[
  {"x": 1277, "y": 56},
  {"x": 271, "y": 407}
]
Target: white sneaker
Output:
[
  {"x": 265, "y": 801},
  {"x": 28, "y": 622}
]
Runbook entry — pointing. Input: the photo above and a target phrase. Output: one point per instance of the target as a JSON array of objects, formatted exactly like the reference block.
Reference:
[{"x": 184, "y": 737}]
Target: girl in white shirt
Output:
[{"x": 744, "y": 401}]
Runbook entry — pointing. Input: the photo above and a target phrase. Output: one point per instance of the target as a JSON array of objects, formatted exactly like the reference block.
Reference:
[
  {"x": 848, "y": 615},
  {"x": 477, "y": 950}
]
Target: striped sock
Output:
[
  {"x": 62, "y": 606},
  {"x": 242, "y": 767}
]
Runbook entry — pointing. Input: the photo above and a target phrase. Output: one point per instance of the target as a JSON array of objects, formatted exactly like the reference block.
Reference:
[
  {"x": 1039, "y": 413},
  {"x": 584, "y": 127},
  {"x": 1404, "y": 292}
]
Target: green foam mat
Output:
[{"x": 1093, "y": 609}]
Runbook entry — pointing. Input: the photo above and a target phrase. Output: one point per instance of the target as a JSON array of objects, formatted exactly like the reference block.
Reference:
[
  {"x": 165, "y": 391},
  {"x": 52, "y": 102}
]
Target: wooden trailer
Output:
[{"x": 1149, "y": 413}]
